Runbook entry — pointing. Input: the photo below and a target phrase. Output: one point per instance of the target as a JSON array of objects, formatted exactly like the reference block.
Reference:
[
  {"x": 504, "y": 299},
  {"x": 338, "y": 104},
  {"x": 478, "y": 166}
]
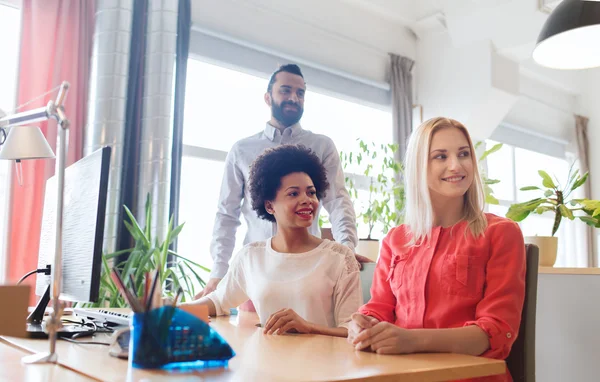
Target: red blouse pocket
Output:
[{"x": 464, "y": 275}]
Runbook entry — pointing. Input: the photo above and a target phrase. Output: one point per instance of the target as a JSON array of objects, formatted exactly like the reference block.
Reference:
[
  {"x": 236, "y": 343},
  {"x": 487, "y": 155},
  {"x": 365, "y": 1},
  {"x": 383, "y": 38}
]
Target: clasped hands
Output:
[{"x": 367, "y": 333}]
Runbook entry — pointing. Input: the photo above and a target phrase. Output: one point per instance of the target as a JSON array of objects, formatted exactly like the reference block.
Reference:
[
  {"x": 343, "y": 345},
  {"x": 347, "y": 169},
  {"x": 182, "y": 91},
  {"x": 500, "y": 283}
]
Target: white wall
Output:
[
  {"x": 588, "y": 105},
  {"x": 336, "y": 35},
  {"x": 567, "y": 337},
  {"x": 481, "y": 88},
  {"x": 470, "y": 83}
]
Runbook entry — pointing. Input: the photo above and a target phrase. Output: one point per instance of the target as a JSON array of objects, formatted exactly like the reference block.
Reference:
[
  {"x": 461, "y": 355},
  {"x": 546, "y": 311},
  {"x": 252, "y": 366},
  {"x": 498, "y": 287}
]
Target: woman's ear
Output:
[{"x": 269, "y": 207}]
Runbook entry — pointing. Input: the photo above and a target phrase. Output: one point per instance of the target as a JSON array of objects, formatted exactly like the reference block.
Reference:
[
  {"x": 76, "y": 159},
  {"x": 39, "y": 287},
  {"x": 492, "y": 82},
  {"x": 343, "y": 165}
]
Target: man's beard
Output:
[{"x": 287, "y": 118}]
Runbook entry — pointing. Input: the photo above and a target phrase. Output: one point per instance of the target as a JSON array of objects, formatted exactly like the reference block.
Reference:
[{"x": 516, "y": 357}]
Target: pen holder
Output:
[{"x": 169, "y": 337}]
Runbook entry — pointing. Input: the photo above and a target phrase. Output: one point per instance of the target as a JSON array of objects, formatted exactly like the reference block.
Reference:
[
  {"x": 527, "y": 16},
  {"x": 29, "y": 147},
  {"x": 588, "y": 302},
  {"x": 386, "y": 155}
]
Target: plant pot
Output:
[
  {"x": 548, "y": 246},
  {"x": 368, "y": 248}
]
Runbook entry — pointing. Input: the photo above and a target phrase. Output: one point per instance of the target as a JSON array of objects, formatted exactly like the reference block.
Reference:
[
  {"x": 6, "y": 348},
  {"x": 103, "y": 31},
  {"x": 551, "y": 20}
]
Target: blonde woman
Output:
[{"x": 452, "y": 278}]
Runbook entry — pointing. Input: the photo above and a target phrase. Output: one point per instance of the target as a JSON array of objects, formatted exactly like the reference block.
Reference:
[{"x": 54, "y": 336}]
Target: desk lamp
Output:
[{"x": 26, "y": 142}]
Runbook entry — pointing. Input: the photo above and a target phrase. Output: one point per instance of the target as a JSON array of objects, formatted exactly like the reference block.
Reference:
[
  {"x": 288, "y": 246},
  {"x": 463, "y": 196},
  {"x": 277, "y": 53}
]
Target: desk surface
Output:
[
  {"x": 281, "y": 358},
  {"x": 570, "y": 271},
  {"x": 11, "y": 368}
]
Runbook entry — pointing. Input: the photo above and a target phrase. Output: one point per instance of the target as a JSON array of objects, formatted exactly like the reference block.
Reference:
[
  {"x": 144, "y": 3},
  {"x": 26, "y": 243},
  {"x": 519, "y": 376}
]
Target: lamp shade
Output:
[
  {"x": 25, "y": 142},
  {"x": 570, "y": 38}
]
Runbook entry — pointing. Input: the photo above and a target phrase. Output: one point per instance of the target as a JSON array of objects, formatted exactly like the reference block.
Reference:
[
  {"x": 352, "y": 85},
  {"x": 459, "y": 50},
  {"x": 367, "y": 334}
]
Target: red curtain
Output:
[{"x": 56, "y": 45}]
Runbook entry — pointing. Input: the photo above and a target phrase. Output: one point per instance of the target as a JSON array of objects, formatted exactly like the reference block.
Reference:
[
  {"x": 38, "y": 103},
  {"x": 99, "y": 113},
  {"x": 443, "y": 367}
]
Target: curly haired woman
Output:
[{"x": 297, "y": 282}]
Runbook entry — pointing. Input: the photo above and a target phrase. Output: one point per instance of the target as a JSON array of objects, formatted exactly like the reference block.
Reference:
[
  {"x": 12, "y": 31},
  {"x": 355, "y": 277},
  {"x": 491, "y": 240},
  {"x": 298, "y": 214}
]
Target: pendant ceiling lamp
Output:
[{"x": 570, "y": 38}]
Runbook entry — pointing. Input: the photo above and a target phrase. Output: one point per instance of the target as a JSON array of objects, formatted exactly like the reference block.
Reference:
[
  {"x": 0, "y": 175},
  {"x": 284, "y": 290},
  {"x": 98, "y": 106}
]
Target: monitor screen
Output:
[{"x": 85, "y": 193}]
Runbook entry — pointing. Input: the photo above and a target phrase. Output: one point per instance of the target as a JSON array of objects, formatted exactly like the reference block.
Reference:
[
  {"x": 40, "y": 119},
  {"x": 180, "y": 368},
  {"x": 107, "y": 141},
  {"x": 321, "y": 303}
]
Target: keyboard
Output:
[{"x": 104, "y": 316}]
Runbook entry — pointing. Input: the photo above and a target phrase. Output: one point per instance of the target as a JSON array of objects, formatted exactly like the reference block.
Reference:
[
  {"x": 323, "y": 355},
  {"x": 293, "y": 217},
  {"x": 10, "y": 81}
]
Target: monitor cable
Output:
[{"x": 45, "y": 271}]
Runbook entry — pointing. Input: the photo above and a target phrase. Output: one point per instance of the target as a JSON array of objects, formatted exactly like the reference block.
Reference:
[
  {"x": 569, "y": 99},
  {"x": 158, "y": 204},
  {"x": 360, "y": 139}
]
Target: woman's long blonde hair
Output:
[{"x": 418, "y": 213}]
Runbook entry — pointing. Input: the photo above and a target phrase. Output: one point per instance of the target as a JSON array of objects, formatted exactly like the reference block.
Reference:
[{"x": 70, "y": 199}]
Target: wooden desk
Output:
[
  {"x": 11, "y": 368},
  {"x": 282, "y": 358},
  {"x": 569, "y": 271}
]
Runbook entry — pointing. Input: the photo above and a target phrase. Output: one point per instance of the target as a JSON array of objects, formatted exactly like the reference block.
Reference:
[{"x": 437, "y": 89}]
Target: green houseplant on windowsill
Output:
[
  {"x": 147, "y": 255},
  {"x": 385, "y": 201},
  {"x": 556, "y": 200}
]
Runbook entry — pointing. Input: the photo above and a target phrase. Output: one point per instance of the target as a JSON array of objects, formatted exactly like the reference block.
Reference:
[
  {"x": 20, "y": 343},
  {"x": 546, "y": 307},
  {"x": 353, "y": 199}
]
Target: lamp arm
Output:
[
  {"x": 54, "y": 110},
  {"x": 62, "y": 143},
  {"x": 30, "y": 116}
]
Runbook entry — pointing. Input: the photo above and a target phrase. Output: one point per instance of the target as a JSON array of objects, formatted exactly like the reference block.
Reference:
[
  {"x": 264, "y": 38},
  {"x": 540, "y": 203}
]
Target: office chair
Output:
[
  {"x": 366, "y": 279},
  {"x": 521, "y": 360}
]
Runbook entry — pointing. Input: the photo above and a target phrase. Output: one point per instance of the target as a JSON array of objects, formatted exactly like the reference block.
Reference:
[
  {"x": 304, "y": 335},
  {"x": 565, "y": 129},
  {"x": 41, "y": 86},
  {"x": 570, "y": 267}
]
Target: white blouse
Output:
[{"x": 322, "y": 285}]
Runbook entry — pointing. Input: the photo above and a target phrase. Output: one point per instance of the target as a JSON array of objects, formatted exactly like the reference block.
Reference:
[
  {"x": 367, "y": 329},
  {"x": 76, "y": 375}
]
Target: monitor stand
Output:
[{"x": 36, "y": 326}]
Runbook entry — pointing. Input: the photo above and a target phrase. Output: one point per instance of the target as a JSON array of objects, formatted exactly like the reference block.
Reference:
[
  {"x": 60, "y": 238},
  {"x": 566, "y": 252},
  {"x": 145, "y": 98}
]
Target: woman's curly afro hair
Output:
[{"x": 275, "y": 163}]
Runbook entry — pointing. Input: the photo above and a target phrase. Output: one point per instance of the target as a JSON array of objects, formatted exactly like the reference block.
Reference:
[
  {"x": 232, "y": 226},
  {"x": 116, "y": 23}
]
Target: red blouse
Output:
[{"x": 453, "y": 280}]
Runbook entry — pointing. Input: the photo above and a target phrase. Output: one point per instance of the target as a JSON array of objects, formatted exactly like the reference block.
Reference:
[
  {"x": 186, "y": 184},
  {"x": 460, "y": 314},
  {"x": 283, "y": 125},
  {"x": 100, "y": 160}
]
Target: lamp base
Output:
[{"x": 40, "y": 358}]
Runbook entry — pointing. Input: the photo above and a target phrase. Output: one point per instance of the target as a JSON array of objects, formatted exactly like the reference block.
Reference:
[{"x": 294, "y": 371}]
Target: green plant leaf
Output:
[
  {"x": 196, "y": 275},
  {"x": 543, "y": 209},
  {"x": 529, "y": 188},
  {"x": 520, "y": 211},
  {"x": 491, "y": 181},
  {"x": 580, "y": 181},
  {"x": 134, "y": 228},
  {"x": 565, "y": 212},
  {"x": 546, "y": 180},
  {"x": 112, "y": 255},
  {"x": 548, "y": 193},
  {"x": 148, "y": 212},
  {"x": 492, "y": 150},
  {"x": 589, "y": 221},
  {"x": 189, "y": 286},
  {"x": 186, "y": 260},
  {"x": 517, "y": 215},
  {"x": 572, "y": 178},
  {"x": 490, "y": 199}
]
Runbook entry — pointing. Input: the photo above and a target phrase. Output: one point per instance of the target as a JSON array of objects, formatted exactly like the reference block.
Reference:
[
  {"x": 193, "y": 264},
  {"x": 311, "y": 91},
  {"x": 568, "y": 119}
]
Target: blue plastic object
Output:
[{"x": 169, "y": 337}]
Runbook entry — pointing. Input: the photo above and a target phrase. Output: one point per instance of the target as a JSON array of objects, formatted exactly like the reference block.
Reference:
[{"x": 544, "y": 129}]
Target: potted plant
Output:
[
  {"x": 556, "y": 200},
  {"x": 381, "y": 174},
  {"x": 147, "y": 255}
]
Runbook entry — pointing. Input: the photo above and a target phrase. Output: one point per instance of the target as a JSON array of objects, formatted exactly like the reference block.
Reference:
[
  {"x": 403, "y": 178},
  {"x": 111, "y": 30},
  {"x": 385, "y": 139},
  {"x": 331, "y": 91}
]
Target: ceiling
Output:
[{"x": 511, "y": 25}]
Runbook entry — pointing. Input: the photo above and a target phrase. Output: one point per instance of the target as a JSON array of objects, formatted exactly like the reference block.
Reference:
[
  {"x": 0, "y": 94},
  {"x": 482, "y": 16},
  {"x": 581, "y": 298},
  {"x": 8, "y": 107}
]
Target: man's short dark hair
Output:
[
  {"x": 275, "y": 163},
  {"x": 288, "y": 68}
]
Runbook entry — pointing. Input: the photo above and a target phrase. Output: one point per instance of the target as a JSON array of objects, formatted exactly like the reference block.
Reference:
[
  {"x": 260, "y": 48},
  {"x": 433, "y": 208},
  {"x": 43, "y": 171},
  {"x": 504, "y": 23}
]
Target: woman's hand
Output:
[
  {"x": 386, "y": 338},
  {"x": 286, "y": 320},
  {"x": 359, "y": 323}
]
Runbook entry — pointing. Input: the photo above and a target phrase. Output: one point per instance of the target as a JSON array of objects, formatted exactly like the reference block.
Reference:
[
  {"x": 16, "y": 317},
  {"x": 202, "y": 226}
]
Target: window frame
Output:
[{"x": 217, "y": 49}]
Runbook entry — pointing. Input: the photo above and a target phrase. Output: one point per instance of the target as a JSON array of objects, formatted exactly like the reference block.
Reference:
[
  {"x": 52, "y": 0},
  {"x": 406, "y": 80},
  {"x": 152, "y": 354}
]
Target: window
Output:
[
  {"x": 223, "y": 105},
  {"x": 515, "y": 168},
  {"x": 9, "y": 29}
]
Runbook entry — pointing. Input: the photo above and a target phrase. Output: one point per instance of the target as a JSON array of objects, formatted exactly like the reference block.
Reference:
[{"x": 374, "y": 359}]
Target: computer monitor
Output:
[{"x": 84, "y": 209}]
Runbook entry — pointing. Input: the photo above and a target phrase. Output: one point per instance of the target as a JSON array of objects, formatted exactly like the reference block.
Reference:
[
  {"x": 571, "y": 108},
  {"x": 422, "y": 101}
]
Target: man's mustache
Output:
[{"x": 291, "y": 103}]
